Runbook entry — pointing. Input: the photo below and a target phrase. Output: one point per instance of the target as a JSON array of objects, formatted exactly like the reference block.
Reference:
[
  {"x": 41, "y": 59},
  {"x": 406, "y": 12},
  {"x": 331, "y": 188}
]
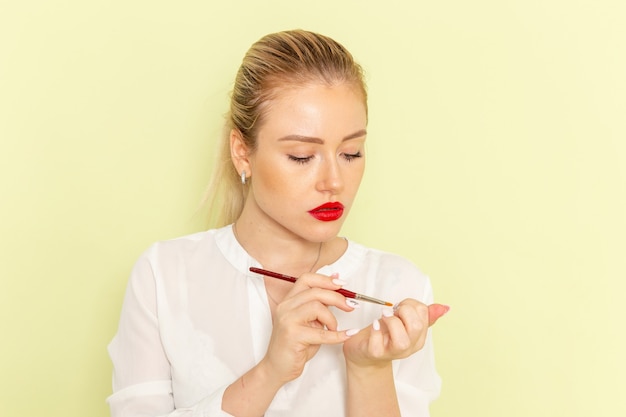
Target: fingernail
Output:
[
  {"x": 352, "y": 303},
  {"x": 339, "y": 282},
  {"x": 376, "y": 325},
  {"x": 352, "y": 332},
  {"x": 387, "y": 311}
]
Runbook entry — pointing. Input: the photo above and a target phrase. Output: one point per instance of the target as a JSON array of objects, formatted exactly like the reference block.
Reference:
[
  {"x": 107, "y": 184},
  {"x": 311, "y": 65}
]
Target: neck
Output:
[{"x": 283, "y": 252}]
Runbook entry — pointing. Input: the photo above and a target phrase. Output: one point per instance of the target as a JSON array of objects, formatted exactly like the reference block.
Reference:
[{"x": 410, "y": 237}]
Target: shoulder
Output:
[
  {"x": 181, "y": 246},
  {"x": 166, "y": 256}
]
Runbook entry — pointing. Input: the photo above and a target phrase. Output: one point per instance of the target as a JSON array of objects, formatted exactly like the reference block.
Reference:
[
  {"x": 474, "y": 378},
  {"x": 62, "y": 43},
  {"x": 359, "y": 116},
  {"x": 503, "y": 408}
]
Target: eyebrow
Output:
[{"x": 310, "y": 139}]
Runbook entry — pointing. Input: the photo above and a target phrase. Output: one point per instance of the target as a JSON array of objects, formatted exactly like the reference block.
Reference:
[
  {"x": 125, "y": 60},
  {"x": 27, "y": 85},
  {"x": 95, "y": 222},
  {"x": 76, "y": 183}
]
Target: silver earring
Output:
[{"x": 243, "y": 177}]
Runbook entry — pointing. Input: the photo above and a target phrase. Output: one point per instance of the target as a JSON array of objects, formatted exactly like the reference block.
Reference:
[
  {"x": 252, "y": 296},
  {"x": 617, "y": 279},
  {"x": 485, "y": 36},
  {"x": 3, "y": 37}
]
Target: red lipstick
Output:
[{"x": 328, "y": 212}]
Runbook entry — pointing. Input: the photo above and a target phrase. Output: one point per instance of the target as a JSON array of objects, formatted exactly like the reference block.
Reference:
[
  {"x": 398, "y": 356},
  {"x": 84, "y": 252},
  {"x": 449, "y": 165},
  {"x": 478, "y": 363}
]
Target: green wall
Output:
[{"x": 496, "y": 162}]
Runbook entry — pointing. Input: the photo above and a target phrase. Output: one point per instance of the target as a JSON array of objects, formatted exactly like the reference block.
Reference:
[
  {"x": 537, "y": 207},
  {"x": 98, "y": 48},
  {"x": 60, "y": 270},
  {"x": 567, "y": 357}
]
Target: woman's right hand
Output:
[{"x": 303, "y": 322}]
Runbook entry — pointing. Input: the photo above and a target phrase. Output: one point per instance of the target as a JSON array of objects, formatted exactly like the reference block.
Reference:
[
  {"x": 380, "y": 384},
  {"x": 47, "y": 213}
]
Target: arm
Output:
[
  {"x": 371, "y": 391},
  {"x": 371, "y": 385},
  {"x": 302, "y": 322},
  {"x": 252, "y": 393},
  {"x": 142, "y": 382}
]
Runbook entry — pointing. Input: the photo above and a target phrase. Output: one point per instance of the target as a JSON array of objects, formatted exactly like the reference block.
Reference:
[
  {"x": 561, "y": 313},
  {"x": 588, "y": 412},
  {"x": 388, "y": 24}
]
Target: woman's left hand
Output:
[{"x": 398, "y": 334}]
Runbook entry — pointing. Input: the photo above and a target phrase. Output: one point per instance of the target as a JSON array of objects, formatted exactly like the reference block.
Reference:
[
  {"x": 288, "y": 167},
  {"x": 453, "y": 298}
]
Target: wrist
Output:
[
  {"x": 369, "y": 370},
  {"x": 371, "y": 390},
  {"x": 268, "y": 374},
  {"x": 252, "y": 393}
]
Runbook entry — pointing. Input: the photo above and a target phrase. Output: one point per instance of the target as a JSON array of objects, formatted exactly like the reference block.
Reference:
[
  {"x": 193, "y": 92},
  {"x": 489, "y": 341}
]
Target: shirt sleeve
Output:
[{"x": 142, "y": 383}]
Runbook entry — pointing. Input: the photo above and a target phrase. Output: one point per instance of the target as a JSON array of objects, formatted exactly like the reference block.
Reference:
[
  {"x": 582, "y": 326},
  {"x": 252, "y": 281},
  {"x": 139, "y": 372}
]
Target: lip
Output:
[{"x": 328, "y": 212}]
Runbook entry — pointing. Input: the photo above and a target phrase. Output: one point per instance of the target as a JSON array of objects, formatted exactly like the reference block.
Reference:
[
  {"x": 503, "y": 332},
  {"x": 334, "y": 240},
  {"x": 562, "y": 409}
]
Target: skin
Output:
[{"x": 311, "y": 151}]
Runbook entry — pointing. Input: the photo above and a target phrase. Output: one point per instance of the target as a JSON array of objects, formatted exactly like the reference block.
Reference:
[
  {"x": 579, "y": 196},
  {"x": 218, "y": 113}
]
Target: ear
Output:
[{"x": 239, "y": 153}]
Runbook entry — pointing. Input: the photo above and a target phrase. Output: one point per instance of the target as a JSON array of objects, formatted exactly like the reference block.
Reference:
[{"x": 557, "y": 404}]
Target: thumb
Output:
[{"x": 435, "y": 311}]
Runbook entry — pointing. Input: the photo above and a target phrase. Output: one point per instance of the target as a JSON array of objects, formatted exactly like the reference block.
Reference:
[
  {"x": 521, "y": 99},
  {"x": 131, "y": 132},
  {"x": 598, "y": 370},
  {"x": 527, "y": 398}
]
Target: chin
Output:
[{"x": 326, "y": 232}]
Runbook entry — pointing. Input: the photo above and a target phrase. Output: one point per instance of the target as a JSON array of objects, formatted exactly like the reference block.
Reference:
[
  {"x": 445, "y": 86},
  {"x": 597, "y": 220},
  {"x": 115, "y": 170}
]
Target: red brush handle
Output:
[{"x": 345, "y": 293}]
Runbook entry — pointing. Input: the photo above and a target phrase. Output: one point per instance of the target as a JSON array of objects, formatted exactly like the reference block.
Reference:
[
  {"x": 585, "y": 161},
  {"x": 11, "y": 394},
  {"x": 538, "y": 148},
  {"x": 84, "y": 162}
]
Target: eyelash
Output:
[
  {"x": 303, "y": 160},
  {"x": 352, "y": 156},
  {"x": 299, "y": 160}
]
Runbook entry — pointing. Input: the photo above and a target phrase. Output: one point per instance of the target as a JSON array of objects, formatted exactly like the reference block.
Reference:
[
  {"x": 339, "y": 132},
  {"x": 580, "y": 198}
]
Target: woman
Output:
[{"x": 201, "y": 335}]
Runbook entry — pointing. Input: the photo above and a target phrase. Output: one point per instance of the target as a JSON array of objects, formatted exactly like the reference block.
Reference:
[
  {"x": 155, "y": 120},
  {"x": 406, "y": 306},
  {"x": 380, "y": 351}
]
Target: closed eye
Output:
[
  {"x": 352, "y": 156},
  {"x": 300, "y": 160}
]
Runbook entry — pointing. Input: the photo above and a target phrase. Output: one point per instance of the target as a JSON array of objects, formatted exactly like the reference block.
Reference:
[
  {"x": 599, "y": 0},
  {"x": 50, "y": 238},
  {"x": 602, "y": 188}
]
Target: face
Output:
[{"x": 309, "y": 160}]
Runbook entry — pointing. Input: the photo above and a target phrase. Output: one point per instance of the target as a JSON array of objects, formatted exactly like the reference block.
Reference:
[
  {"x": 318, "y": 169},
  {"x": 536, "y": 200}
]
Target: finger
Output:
[
  {"x": 313, "y": 280},
  {"x": 399, "y": 337},
  {"x": 376, "y": 342},
  {"x": 317, "y": 312},
  {"x": 305, "y": 314},
  {"x": 414, "y": 316},
  {"x": 324, "y": 296},
  {"x": 435, "y": 311},
  {"x": 322, "y": 336}
]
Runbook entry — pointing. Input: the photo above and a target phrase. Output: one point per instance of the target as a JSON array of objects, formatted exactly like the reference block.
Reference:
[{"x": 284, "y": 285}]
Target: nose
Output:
[{"x": 330, "y": 177}]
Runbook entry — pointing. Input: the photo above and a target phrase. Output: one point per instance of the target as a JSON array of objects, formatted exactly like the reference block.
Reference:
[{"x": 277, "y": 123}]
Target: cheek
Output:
[
  {"x": 355, "y": 175},
  {"x": 273, "y": 178}
]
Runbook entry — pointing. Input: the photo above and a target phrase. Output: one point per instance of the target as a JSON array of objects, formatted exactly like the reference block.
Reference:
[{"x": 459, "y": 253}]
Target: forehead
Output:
[{"x": 315, "y": 109}]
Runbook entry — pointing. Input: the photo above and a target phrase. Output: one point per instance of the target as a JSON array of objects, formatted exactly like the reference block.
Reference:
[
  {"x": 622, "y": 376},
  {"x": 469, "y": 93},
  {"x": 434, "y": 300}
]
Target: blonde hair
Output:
[{"x": 279, "y": 60}]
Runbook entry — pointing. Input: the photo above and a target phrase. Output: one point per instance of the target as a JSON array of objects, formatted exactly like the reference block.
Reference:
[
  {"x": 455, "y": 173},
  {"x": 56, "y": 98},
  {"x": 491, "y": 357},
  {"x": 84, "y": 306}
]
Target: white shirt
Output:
[{"x": 194, "y": 319}]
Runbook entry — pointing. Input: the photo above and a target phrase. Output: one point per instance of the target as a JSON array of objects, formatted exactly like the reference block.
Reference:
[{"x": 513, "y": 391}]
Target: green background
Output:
[{"x": 496, "y": 162}]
